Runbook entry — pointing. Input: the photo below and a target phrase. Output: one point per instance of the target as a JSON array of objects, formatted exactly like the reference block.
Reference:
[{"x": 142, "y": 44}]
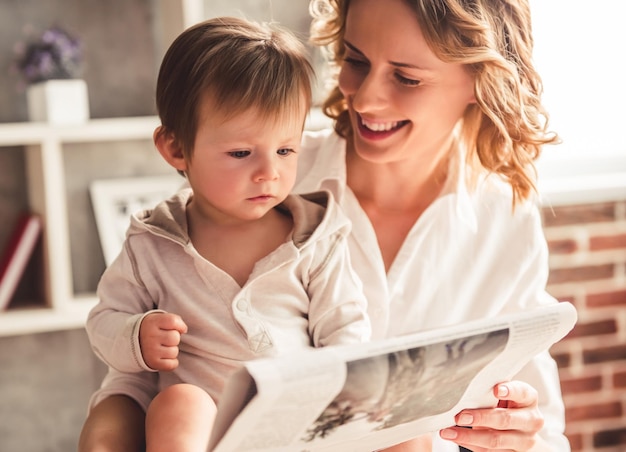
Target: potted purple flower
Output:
[{"x": 51, "y": 66}]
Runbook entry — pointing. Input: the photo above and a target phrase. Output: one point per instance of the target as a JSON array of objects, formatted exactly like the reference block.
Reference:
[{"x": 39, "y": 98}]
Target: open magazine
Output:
[{"x": 373, "y": 395}]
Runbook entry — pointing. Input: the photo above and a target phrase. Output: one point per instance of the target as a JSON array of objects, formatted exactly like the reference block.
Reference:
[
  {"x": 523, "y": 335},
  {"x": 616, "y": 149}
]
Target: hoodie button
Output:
[{"x": 242, "y": 305}]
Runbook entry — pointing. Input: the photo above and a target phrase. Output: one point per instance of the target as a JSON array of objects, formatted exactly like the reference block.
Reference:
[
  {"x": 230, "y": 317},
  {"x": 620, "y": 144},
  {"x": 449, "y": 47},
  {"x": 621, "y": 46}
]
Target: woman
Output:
[{"x": 438, "y": 120}]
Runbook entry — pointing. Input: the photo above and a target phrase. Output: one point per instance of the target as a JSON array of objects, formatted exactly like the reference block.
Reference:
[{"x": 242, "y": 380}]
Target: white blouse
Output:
[{"x": 468, "y": 256}]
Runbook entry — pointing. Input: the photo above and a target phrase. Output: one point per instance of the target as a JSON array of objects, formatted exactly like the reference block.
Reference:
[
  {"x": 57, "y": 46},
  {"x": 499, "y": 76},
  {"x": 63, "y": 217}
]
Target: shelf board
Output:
[
  {"x": 71, "y": 315},
  {"x": 109, "y": 129}
]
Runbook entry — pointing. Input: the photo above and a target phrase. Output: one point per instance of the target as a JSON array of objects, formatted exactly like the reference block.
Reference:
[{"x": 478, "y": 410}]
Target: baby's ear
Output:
[{"x": 169, "y": 148}]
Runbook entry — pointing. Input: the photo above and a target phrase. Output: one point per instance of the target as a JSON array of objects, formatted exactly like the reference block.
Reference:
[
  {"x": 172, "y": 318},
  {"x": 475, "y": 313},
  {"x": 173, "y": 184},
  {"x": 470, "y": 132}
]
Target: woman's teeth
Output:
[{"x": 380, "y": 126}]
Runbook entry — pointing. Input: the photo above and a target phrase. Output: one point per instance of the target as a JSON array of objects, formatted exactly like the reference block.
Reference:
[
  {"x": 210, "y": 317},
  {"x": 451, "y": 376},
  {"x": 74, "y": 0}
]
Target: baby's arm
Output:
[
  {"x": 114, "y": 324},
  {"x": 338, "y": 307}
]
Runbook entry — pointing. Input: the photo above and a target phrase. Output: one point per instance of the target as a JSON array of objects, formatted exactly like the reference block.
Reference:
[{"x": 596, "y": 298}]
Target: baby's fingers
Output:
[
  {"x": 168, "y": 322},
  {"x": 166, "y": 359}
]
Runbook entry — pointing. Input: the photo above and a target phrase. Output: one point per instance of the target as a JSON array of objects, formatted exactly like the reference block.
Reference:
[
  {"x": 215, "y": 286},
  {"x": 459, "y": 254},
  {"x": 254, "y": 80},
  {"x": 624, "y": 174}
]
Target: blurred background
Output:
[{"x": 48, "y": 373}]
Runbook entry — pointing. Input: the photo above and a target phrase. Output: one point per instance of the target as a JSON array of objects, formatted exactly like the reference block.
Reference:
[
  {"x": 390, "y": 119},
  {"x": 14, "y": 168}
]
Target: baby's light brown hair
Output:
[{"x": 238, "y": 63}]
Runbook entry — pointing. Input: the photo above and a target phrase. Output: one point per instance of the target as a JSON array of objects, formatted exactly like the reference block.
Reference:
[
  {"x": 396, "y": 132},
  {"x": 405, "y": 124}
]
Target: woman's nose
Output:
[{"x": 371, "y": 94}]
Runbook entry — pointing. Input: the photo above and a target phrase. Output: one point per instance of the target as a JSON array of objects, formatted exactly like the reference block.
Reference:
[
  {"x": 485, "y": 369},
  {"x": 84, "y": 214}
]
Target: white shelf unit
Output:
[{"x": 44, "y": 147}]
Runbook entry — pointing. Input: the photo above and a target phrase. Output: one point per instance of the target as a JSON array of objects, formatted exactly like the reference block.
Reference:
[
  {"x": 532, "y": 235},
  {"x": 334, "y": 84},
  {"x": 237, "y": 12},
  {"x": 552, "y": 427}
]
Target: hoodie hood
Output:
[{"x": 315, "y": 216}]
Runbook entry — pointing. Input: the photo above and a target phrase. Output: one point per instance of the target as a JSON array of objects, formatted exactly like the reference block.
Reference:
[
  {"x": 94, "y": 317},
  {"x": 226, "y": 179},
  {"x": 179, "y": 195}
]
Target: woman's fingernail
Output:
[
  {"x": 503, "y": 391},
  {"x": 465, "y": 419},
  {"x": 448, "y": 433}
]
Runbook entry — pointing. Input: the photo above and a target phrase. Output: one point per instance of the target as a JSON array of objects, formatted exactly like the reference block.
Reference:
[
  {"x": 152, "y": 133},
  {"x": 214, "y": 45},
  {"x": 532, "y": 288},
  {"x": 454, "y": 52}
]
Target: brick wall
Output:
[{"x": 588, "y": 268}]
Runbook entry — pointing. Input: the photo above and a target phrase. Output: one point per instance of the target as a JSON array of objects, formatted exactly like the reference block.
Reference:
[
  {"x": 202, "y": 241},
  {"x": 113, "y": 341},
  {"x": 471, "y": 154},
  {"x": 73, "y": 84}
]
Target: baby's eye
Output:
[
  {"x": 285, "y": 151},
  {"x": 239, "y": 154},
  {"x": 407, "y": 81}
]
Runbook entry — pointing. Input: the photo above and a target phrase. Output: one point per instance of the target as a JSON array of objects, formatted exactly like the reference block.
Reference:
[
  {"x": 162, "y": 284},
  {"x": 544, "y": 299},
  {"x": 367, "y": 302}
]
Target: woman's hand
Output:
[{"x": 513, "y": 425}]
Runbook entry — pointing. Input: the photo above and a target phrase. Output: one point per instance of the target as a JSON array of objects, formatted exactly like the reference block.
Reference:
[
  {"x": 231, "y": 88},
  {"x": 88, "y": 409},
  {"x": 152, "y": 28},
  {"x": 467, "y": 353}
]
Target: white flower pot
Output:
[{"x": 58, "y": 101}]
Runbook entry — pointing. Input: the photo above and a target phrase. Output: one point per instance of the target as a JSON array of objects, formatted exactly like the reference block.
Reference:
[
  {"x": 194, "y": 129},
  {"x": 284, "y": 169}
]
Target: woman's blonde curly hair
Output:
[{"x": 506, "y": 128}]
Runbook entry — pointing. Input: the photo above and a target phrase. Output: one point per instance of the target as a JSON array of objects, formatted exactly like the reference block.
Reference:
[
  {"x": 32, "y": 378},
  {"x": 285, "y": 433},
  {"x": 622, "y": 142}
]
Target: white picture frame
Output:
[{"x": 115, "y": 200}]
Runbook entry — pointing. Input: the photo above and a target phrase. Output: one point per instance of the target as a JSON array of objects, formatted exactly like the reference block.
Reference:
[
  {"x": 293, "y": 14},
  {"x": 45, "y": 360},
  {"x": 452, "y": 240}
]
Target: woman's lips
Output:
[{"x": 373, "y": 130}]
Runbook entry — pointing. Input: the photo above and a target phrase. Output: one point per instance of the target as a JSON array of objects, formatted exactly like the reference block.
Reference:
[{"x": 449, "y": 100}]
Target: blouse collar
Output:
[{"x": 329, "y": 172}]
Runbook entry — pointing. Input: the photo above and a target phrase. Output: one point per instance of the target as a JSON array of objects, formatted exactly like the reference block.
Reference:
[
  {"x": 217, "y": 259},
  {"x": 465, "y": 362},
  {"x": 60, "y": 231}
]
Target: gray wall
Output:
[
  {"x": 45, "y": 383},
  {"x": 120, "y": 71},
  {"x": 118, "y": 47},
  {"x": 46, "y": 379}
]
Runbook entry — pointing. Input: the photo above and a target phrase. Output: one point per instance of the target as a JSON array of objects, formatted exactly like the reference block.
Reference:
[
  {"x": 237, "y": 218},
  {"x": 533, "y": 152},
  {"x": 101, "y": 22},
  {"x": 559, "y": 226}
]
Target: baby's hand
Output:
[{"x": 159, "y": 336}]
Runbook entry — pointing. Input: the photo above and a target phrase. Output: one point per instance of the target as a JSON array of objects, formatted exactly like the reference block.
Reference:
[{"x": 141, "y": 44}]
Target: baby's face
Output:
[{"x": 243, "y": 166}]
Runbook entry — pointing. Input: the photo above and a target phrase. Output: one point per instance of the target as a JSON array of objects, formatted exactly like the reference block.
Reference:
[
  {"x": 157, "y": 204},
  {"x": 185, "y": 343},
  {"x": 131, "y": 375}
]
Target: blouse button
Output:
[{"x": 242, "y": 305}]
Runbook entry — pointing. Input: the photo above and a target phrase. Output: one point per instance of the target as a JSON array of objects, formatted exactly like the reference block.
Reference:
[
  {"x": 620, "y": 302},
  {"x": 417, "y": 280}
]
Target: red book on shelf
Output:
[{"x": 16, "y": 255}]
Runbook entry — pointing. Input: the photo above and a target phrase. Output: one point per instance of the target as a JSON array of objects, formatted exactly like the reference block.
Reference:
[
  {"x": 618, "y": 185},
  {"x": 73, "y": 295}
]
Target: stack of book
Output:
[{"x": 16, "y": 255}]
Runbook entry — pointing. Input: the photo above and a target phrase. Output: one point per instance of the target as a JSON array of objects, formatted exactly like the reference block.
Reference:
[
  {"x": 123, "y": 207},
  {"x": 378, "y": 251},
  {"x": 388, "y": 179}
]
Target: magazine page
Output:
[
  {"x": 284, "y": 396},
  {"x": 373, "y": 395}
]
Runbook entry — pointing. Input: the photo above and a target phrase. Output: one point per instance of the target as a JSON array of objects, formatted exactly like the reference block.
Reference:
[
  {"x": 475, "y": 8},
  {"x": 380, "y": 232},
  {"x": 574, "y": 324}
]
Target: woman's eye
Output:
[
  {"x": 407, "y": 81},
  {"x": 239, "y": 154},
  {"x": 284, "y": 151},
  {"x": 356, "y": 63}
]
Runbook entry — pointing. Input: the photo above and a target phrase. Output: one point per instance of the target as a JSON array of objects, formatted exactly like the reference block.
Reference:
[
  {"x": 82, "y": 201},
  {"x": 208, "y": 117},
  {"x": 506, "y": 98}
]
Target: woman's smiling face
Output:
[{"x": 403, "y": 100}]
